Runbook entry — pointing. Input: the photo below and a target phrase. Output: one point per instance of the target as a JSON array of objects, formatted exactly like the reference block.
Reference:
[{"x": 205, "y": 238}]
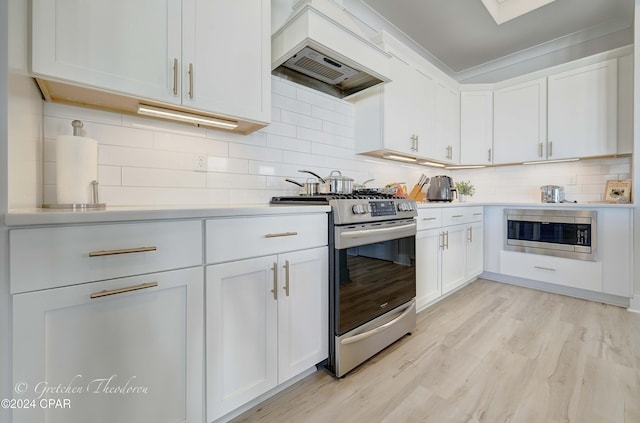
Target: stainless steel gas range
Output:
[{"x": 372, "y": 284}]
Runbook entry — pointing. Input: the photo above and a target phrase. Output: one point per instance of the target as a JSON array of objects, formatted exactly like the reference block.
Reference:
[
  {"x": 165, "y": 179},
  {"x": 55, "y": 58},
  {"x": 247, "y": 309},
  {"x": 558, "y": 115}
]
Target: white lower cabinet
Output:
[
  {"x": 124, "y": 350},
  {"x": 449, "y": 251},
  {"x": 266, "y": 323},
  {"x": 611, "y": 273}
]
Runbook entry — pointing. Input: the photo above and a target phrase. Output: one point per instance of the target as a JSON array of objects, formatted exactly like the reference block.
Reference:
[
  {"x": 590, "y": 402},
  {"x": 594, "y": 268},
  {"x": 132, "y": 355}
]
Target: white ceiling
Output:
[{"x": 464, "y": 38}]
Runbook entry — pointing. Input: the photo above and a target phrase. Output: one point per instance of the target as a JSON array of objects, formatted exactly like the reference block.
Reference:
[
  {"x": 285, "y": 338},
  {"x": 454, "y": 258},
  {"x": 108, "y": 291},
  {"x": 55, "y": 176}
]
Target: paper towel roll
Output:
[{"x": 76, "y": 168}]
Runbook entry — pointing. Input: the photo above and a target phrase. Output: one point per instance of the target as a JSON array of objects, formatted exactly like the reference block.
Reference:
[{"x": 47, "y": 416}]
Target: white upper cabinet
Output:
[
  {"x": 476, "y": 127},
  {"x": 416, "y": 115},
  {"x": 226, "y": 45},
  {"x": 582, "y": 112},
  {"x": 422, "y": 118},
  {"x": 397, "y": 117},
  {"x": 210, "y": 57},
  {"x": 446, "y": 139},
  {"x": 126, "y": 46},
  {"x": 520, "y": 122}
]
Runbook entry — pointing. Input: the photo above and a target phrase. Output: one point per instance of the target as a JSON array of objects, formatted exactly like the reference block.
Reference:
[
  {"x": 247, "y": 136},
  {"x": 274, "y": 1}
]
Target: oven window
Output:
[
  {"x": 551, "y": 232},
  {"x": 373, "y": 279}
]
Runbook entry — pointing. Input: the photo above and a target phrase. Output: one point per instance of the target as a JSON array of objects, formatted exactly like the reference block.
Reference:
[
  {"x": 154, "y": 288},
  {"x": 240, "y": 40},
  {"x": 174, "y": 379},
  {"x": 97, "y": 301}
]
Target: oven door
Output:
[{"x": 374, "y": 271}]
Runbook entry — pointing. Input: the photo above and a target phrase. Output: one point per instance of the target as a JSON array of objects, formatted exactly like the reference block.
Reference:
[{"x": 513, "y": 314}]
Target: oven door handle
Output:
[
  {"x": 369, "y": 232},
  {"x": 379, "y": 329}
]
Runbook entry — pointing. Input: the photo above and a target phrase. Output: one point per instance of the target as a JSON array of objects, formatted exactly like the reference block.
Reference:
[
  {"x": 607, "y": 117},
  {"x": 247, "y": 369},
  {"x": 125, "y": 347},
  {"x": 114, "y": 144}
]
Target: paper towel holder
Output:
[{"x": 95, "y": 203}]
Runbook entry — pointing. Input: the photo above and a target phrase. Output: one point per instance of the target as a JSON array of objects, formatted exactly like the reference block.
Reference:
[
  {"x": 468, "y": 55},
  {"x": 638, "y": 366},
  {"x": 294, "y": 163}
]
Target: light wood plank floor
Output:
[{"x": 488, "y": 353}]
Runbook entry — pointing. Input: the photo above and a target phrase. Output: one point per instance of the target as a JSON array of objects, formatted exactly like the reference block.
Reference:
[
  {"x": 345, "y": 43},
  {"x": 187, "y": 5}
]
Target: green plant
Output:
[{"x": 465, "y": 188}]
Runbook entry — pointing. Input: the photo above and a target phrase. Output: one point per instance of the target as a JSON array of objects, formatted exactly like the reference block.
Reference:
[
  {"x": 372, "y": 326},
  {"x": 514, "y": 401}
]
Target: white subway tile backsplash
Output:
[
  {"x": 146, "y": 177},
  {"x": 245, "y": 151},
  {"x": 298, "y": 119},
  {"x": 138, "y": 157},
  {"x": 145, "y": 161},
  {"x": 183, "y": 143},
  {"x": 288, "y": 103},
  {"x": 315, "y": 135},
  {"x": 70, "y": 113},
  {"x": 288, "y": 143},
  {"x": 316, "y": 98},
  {"x": 281, "y": 128},
  {"x": 228, "y": 165},
  {"x": 110, "y": 175},
  {"x": 236, "y": 181}
]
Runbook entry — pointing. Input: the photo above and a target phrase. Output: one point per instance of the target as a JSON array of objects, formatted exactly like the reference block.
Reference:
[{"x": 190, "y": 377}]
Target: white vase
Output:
[{"x": 462, "y": 198}]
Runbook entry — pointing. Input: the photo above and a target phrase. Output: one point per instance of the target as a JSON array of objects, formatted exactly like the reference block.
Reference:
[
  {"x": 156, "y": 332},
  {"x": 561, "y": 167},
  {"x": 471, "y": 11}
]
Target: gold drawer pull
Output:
[
  {"x": 458, "y": 215},
  {"x": 106, "y": 293},
  {"x": 281, "y": 234},
  {"x": 125, "y": 251},
  {"x": 429, "y": 218}
]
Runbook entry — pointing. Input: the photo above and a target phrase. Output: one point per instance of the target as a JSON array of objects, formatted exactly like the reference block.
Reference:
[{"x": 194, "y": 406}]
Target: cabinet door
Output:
[
  {"x": 447, "y": 133},
  {"x": 242, "y": 339},
  {"x": 583, "y": 111},
  {"x": 226, "y": 57},
  {"x": 121, "y": 357},
  {"x": 395, "y": 115},
  {"x": 453, "y": 257},
  {"x": 428, "y": 251},
  {"x": 422, "y": 95},
  {"x": 519, "y": 124},
  {"x": 302, "y": 311},
  {"x": 127, "y": 46},
  {"x": 476, "y": 127},
  {"x": 475, "y": 248}
]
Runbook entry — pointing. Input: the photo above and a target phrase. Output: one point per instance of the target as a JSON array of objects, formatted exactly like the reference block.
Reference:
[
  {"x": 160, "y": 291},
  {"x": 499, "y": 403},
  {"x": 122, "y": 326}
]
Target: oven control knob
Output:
[
  {"x": 403, "y": 207},
  {"x": 358, "y": 209}
]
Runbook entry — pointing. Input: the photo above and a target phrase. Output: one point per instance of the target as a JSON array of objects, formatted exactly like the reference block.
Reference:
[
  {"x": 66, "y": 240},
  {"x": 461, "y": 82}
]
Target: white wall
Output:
[
  {"x": 583, "y": 181},
  {"x": 5, "y": 307},
  {"x": 145, "y": 162},
  {"x": 635, "y": 304}
]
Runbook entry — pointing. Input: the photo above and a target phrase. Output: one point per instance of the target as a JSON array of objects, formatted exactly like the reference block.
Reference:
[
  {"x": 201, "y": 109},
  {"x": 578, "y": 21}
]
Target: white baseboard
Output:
[{"x": 634, "y": 304}]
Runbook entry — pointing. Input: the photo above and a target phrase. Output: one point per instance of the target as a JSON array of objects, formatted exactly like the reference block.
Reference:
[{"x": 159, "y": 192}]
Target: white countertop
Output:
[
  {"x": 36, "y": 216},
  {"x": 594, "y": 205}
]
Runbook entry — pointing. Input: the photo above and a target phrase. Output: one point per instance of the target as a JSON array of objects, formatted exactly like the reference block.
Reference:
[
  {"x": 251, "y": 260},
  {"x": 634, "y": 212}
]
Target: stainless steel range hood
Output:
[{"x": 322, "y": 47}]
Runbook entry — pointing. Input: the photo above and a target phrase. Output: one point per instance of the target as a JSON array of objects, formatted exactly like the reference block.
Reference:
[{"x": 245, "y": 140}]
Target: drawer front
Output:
[
  {"x": 560, "y": 271},
  {"x": 43, "y": 258},
  {"x": 461, "y": 215},
  {"x": 229, "y": 239},
  {"x": 429, "y": 218}
]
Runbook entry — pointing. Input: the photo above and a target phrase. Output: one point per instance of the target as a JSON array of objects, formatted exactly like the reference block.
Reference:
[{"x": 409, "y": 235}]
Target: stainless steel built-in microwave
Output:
[{"x": 560, "y": 233}]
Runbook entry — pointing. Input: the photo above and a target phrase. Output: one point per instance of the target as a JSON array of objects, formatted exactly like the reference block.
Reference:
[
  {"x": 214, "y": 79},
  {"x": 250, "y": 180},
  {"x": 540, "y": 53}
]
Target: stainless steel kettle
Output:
[{"x": 440, "y": 189}]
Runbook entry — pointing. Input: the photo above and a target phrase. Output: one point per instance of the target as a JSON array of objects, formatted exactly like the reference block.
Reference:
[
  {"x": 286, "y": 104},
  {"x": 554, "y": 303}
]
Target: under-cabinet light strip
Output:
[
  {"x": 551, "y": 161},
  {"x": 185, "y": 117}
]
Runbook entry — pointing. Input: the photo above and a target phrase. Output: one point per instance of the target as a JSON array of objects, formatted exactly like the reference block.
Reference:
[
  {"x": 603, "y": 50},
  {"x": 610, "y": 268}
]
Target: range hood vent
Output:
[{"x": 321, "y": 47}]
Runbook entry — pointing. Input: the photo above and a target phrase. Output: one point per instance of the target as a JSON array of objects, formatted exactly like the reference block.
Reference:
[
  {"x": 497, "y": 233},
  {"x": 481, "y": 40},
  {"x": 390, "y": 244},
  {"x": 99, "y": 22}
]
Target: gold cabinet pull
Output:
[
  {"x": 286, "y": 277},
  {"x": 106, "y": 293},
  {"x": 429, "y": 218},
  {"x": 550, "y": 149},
  {"x": 489, "y": 156},
  {"x": 190, "y": 80},
  {"x": 458, "y": 215},
  {"x": 280, "y": 234},
  {"x": 539, "y": 149},
  {"x": 175, "y": 76},
  {"x": 275, "y": 281},
  {"x": 124, "y": 251}
]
